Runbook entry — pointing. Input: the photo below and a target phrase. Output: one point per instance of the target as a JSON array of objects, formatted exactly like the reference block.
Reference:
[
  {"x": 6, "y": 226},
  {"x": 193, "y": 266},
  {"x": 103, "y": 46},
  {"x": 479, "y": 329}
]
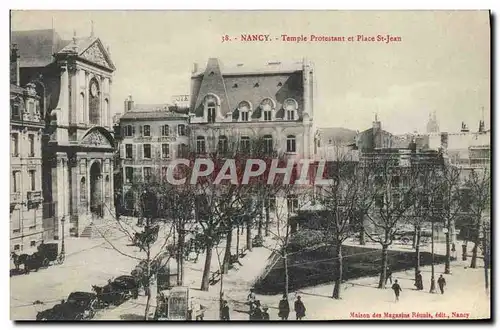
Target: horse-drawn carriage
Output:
[
  {"x": 79, "y": 306},
  {"x": 147, "y": 237},
  {"x": 117, "y": 291},
  {"x": 46, "y": 255}
]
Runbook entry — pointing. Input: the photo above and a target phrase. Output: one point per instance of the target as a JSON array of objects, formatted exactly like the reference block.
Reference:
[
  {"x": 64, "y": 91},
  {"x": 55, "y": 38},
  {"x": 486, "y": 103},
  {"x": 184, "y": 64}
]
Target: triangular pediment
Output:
[
  {"x": 95, "y": 138},
  {"x": 96, "y": 53}
]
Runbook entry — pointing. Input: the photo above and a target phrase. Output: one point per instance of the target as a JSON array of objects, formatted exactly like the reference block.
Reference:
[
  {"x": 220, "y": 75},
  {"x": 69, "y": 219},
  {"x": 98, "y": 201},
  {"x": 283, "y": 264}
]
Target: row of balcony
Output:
[{"x": 34, "y": 196}]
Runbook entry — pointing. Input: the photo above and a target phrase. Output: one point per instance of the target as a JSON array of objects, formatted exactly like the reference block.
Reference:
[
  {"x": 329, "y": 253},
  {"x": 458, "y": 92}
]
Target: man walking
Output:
[
  {"x": 388, "y": 275},
  {"x": 284, "y": 308},
  {"x": 418, "y": 281},
  {"x": 224, "y": 315},
  {"x": 300, "y": 309},
  {"x": 397, "y": 289},
  {"x": 441, "y": 283}
]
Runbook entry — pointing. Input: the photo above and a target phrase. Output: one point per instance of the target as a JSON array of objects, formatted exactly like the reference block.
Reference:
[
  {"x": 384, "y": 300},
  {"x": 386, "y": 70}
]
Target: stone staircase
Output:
[{"x": 90, "y": 232}]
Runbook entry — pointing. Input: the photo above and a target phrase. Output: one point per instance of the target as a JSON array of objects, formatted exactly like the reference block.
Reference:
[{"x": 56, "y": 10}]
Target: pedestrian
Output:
[
  {"x": 256, "y": 314},
  {"x": 265, "y": 314},
  {"x": 397, "y": 289},
  {"x": 225, "y": 311},
  {"x": 388, "y": 274},
  {"x": 441, "y": 283},
  {"x": 284, "y": 308},
  {"x": 300, "y": 309},
  {"x": 251, "y": 300},
  {"x": 418, "y": 281}
]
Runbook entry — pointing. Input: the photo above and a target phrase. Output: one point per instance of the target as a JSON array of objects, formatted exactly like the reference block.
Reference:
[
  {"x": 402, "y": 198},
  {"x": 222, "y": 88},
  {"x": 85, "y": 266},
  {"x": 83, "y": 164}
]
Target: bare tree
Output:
[
  {"x": 152, "y": 240},
  {"x": 342, "y": 202},
  {"x": 393, "y": 192},
  {"x": 478, "y": 183},
  {"x": 449, "y": 191}
]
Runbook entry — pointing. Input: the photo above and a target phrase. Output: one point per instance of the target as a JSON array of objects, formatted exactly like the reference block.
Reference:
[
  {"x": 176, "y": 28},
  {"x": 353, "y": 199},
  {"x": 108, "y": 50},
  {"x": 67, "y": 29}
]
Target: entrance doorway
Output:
[{"x": 96, "y": 201}]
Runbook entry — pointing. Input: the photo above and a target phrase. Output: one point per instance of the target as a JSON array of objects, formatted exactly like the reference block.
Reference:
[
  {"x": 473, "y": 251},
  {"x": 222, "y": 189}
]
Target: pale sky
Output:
[{"x": 442, "y": 62}]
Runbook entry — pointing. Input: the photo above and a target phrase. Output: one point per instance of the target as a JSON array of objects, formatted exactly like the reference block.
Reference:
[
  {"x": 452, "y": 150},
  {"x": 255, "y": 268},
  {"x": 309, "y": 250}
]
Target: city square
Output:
[{"x": 227, "y": 190}]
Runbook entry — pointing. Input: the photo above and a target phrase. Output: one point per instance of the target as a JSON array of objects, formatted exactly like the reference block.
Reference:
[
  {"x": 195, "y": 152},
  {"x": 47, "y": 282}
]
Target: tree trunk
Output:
[
  {"x": 206, "y": 270},
  {"x": 416, "y": 241},
  {"x": 180, "y": 255},
  {"x": 238, "y": 242},
  {"x": 473, "y": 262},
  {"x": 486, "y": 254},
  {"x": 259, "y": 230},
  {"x": 249, "y": 235},
  {"x": 383, "y": 273},
  {"x": 148, "y": 285},
  {"x": 338, "y": 278},
  {"x": 221, "y": 295},
  {"x": 268, "y": 218},
  {"x": 448, "y": 249},
  {"x": 362, "y": 239},
  {"x": 227, "y": 253},
  {"x": 433, "y": 278},
  {"x": 285, "y": 263}
]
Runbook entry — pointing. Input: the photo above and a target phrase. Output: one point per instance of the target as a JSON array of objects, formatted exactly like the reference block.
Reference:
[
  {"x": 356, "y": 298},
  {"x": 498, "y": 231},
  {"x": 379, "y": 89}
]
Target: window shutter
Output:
[
  {"x": 157, "y": 150},
  {"x": 140, "y": 130},
  {"x": 124, "y": 131},
  {"x": 122, "y": 151},
  {"x": 133, "y": 130},
  {"x": 134, "y": 151}
]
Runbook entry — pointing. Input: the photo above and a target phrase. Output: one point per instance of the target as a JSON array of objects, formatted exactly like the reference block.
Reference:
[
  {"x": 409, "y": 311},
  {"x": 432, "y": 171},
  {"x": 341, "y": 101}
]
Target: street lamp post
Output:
[{"x": 63, "y": 220}]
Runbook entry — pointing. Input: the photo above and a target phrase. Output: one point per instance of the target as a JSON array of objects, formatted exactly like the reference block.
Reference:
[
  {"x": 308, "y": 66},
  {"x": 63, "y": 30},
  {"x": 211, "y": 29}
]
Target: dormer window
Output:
[
  {"x": 290, "y": 106},
  {"x": 244, "y": 110},
  {"x": 267, "y": 107},
  {"x": 211, "y": 112}
]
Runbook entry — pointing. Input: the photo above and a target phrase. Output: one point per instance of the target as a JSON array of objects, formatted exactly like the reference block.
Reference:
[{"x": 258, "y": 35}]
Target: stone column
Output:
[
  {"x": 86, "y": 99},
  {"x": 110, "y": 117},
  {"x": 73, "y": 93},
  {"x": 102, "y": 117}
]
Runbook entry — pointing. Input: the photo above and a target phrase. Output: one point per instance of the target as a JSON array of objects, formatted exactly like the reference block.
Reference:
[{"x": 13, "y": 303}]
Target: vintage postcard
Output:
[{"x": 250, "y": 165}]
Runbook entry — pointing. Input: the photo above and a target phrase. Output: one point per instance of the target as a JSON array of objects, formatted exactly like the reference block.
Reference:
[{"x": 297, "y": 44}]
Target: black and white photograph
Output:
[{"x": 232, "y": 165}]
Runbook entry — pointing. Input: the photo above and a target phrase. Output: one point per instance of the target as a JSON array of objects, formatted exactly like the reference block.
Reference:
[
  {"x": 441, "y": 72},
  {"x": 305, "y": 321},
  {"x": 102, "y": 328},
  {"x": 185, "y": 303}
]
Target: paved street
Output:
[{"x": 94, "y": 261}]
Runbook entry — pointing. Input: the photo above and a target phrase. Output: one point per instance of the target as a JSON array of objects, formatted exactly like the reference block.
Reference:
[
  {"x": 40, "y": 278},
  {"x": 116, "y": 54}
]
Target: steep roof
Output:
[
  {"x": 36, "y": 47},
  {"x": 235, "y": 84}
]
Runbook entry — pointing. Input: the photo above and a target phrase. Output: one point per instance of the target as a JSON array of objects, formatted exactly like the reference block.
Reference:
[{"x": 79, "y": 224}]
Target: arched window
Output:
[
  {"x": 290, "y": 143},
  {"x": 106, "y": 111},
  {"x": 94, "y": 102},
  {"x": 290, "y": 106},
  {"x": 244, "y": 110},
  {"x": 165, "y": 130},
  {"x": 268, "y": 144},
  {"x": 200, "y": 145},
  {"x": 223, "y": 146},
  {"x": 267, "y": 106},
  {"x": 181, "y": 130},
  {"x": 211, "y": 112},
  {"x": 81, "y": 102}
]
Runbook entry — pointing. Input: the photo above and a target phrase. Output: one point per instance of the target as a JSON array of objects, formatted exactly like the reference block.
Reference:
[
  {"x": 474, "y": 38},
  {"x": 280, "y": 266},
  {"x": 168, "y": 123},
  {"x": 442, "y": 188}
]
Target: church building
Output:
[{"x": 73, "y": 79}]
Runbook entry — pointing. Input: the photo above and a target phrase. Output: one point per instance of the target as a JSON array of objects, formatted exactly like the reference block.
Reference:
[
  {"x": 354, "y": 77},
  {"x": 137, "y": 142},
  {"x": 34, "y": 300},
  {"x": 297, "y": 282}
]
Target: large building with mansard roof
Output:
[
  {"x": 73, "y": 79},
  {"x": 273, "y": 102}
]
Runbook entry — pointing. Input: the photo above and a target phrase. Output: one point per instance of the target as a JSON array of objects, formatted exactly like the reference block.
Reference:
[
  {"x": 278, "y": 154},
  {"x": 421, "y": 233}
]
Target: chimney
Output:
[
  {"x": 128, "y": 104},
  {"x": 14, "y": 65},
  {"x": 195, "y": 68},
  {"x": 464, "y": 129}
]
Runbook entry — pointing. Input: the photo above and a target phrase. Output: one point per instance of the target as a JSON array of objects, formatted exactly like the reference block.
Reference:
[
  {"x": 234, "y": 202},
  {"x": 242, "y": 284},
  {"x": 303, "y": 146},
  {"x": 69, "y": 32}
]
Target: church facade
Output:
[{"x": 73, "y": 79}]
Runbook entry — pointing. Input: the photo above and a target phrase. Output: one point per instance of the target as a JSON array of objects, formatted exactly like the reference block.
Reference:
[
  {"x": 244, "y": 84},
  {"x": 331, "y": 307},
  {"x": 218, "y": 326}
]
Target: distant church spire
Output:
[
  {"x": 92, "y": 28},
  {"x": 432, "y": 124}
]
